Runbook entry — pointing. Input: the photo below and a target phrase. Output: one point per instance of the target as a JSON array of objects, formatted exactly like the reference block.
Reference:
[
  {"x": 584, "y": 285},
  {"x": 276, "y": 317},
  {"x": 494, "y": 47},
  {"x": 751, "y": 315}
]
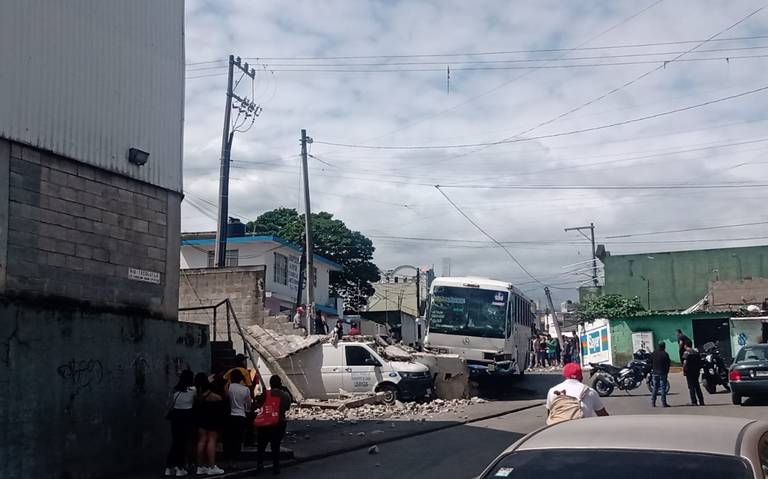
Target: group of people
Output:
[
  {"x": 690, "y": 358},
  {"x": 320, "y": 324},
  {"x": 205, "y": 409},
  {"x": 548, "y": 352}
]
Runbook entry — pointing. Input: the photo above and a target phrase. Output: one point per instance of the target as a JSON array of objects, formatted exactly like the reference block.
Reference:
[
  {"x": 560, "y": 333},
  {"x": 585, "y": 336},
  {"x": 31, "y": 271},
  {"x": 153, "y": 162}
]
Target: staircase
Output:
[
  {"x": 282, "y": 325},
  {"x": 222, "y": 356}
]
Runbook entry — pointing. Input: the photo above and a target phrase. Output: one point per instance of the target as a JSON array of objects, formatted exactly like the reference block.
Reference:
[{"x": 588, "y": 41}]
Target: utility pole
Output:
[
  {"x": 591, "y": 237},
  {"x": 558, "y": 334},
  {"x": 220, "y": 259},
  {"x": 309, "y": 246}
]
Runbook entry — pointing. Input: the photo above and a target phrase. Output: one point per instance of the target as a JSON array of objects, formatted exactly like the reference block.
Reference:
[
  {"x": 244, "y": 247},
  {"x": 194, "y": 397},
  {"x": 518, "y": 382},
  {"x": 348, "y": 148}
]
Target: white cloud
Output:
[{"x": 364, "y": 186}]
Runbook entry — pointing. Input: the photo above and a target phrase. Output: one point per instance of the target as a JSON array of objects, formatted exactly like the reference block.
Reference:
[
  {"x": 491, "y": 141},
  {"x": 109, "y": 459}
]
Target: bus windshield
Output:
[{"x": 468, "y": 311}]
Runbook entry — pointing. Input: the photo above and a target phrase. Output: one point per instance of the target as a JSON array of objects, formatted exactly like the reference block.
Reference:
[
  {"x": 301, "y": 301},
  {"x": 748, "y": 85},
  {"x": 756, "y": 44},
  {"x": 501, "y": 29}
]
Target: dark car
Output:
[{"x": 749, "y": 373}]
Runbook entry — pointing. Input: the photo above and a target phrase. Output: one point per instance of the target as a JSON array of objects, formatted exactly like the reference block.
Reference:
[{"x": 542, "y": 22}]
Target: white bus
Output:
[{"x": 487, "y": 322}]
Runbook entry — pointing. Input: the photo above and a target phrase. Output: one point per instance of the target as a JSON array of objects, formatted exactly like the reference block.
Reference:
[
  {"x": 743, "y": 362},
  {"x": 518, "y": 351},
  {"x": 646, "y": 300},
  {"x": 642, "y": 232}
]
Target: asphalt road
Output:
[{"x": 463, "y": 451}]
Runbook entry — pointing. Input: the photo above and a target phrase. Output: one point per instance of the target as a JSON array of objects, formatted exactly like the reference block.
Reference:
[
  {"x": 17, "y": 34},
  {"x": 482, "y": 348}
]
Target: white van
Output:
[{"x": 358, "y": 368}]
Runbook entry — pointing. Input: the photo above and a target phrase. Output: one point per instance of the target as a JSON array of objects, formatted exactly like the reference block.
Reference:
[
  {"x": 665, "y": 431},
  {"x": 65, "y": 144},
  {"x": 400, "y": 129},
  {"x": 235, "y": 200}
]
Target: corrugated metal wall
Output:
[{"x": 89, "y": 79}]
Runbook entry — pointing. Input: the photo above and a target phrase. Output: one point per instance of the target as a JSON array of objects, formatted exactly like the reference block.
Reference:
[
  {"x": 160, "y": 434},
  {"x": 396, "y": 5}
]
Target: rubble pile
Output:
[{"x": 399, "y": 411}]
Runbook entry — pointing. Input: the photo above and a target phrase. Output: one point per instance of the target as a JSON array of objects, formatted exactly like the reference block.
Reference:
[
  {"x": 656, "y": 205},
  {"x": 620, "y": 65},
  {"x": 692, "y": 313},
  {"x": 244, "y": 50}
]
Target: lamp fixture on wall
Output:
[{"x": 137, "y": 157}]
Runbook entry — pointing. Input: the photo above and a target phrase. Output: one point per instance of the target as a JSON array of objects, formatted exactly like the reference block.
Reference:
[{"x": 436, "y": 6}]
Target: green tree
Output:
[
  {"x": 333, "y": 240},
  {"x": 609, "y": 306}
]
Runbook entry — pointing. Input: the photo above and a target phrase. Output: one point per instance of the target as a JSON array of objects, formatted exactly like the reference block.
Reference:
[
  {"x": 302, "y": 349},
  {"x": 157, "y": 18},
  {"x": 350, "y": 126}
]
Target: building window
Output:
[
  {"x": 281, "y": 269},
  {"x": 233, "y": 256}
]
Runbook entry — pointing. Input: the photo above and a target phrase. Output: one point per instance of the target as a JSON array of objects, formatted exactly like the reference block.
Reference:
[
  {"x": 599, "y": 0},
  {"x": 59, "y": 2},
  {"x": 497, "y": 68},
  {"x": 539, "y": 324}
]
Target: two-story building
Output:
[{"x": 277, "y": 258}]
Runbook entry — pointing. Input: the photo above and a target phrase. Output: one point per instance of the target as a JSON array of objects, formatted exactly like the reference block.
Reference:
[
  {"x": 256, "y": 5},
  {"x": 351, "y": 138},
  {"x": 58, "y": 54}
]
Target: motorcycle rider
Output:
[
  {"x": 590, "y": 403},
  {"x": 691, "y": 367},
  {"x": 660, "y": 363}
]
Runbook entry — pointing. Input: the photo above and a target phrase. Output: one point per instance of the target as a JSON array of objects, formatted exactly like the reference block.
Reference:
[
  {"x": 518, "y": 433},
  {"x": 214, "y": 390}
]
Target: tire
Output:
[
  {"x": 602, "y": 386},
  {"x": 390, "y": 392},
  {"x": 736, "y": 399},
  {"x": 709, "y": 385}
]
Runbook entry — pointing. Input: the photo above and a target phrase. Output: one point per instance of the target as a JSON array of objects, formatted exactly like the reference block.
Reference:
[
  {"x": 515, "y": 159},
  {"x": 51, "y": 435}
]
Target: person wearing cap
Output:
[{"x": 591, "y": 405}]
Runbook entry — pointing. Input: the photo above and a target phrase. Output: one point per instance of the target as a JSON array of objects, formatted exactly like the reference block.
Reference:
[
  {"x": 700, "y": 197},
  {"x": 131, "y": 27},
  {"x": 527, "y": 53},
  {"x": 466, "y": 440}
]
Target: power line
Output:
[
  {"x": 611, "y": 187},
  {"x": 479, "y": 228},
  {"x": 703, "y": 228},
  {"x": 499, "y": 52},
  {"x": 552, "y": 135}
]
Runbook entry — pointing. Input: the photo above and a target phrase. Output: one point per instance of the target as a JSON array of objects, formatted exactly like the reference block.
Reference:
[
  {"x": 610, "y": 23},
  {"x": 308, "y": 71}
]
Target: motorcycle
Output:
[
  {"x": 714, "y": 370},
  {"x": 608, "y": 377}
]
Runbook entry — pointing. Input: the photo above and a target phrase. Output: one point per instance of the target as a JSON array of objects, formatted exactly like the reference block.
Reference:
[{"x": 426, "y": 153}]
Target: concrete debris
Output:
[
  {"x": 376, "y": 432},
  {"x": 477, "y": 400},
  {"x": 373, "y": 450},
  {"x": 377, "y": 413},
  {"x": 361, "y": 434}
]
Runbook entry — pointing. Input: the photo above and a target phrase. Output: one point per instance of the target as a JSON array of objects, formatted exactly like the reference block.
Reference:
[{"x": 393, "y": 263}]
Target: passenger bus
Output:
[{"x": 487, "y": 322}]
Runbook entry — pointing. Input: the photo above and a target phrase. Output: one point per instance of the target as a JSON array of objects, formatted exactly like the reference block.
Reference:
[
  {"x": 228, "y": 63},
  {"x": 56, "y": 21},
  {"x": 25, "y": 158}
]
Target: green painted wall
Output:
[
  {"x": 663, "y": 326},
  {"x": 675, "y": 281}
]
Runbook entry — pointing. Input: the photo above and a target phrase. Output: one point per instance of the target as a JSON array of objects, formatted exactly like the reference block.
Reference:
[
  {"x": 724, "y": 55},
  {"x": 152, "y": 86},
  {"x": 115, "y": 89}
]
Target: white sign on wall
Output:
[
  {"x": 642, "y": 340},
  {"x": 745, "y": 331},
  {"x": 596, "y": 343},
  {"x": 144, "y": 275}
]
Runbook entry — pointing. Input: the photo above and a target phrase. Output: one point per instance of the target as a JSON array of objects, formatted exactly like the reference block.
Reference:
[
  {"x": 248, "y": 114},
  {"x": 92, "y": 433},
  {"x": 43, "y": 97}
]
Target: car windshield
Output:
[
  {"x": 752, "y": 353},
  {"x": 588, "y": 464},
  {"x": 468, "y": 311}
]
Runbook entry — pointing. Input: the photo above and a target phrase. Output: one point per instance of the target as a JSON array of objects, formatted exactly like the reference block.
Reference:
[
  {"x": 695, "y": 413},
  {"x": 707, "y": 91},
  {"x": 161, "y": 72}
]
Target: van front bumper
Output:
[{"x": 413, "y": 389}]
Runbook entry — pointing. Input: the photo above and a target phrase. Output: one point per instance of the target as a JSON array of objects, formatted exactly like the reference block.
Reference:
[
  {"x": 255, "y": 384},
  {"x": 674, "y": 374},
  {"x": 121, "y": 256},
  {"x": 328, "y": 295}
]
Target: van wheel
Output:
[{"x": 390, "y": 393}]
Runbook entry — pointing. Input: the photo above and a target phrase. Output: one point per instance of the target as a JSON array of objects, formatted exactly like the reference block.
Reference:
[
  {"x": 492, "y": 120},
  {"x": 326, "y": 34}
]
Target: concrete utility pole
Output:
[
  {"x": 309, "y": 246},
  {"x": 220, "y": 259},
  {"x": 558, "y": 334},
  {"x": 591, "y": 237}
]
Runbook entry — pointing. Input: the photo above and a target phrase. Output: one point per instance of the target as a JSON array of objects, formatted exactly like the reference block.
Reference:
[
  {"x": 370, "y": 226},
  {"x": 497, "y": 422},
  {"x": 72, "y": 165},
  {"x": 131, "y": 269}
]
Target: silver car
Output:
[{"x": 628, "y": 447}]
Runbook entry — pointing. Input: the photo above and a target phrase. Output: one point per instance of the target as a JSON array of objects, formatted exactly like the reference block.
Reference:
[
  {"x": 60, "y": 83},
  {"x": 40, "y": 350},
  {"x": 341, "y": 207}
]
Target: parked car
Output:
[
  {"x": 749, "y": 373},
  {"x": 356, "y": 367},
  {"x": 662, "y": 447}
]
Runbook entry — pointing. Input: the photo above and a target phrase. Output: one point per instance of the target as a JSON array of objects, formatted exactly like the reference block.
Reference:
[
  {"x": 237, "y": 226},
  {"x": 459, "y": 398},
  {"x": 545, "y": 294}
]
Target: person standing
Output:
[
  {"x": 576, "y": 355},
  {"x": 543, "y": 352},
  {"x": 182, "y": 424},
  {"x": 682, "y": 342},
  {"x": 339, "y": 329},
  {"x": 535, "y": 352},
  {"x": 567, "y": 350},
  {"x": 691, "y": 368},
  {"x": 321, "y": 327},
  {"x": 660, "y": 374},
  {"x": 273, "y": 435},
  {"x": 239, "y": 398},
  {"x": 212, "y": 415},
  {"x": 354, "y": 330},
  {"x": 297, "y": 317},
  {"x": 551, "y": 354},
  {"x": 563, "y": 398}
]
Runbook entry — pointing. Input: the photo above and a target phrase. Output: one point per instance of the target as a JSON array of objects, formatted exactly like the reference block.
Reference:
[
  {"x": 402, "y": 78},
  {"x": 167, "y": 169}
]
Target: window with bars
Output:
[
  {"x": 233, "y": 257},
  {"x": 281, "y": 269}
]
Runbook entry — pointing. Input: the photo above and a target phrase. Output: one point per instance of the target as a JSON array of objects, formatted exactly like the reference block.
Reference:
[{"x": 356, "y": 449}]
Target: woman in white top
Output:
[{"x": 182, "y": 424}]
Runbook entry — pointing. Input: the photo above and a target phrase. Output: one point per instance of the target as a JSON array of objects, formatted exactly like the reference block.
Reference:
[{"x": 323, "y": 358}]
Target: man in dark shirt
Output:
[
  {"x": 682, "y": 342},
  {"x": 273, "y": 435},
  {"x": 660, "y": 363},
  {"x": 691, "y": 368}
]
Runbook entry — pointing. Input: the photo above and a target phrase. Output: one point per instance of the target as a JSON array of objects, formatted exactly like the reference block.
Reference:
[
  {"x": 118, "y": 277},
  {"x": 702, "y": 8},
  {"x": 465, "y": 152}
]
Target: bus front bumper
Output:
[{"x": 493, "y": 368}]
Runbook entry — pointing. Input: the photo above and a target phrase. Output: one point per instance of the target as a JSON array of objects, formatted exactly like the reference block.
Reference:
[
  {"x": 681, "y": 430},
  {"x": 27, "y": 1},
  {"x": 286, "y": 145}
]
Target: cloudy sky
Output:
[{"x": 531, "y": 73}]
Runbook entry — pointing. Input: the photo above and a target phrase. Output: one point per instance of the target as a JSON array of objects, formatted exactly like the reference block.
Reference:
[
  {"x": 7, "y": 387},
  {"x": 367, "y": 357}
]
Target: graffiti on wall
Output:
[{"x": 79, "y": 375}]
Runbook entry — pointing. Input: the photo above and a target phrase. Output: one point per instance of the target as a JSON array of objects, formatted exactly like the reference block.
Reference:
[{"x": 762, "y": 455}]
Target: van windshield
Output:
[{"x": 468, "y": 311}]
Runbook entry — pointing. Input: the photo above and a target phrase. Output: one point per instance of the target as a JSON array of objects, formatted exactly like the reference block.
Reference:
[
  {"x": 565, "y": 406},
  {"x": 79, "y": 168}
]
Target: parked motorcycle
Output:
[
  {"x": 608, "y": 377},
  {"x": 714, "y": 372}
]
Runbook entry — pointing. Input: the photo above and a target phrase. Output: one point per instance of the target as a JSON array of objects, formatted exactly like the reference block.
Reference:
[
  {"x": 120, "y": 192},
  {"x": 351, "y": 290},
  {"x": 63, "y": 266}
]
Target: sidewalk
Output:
[{"x": 317, "y": 439}]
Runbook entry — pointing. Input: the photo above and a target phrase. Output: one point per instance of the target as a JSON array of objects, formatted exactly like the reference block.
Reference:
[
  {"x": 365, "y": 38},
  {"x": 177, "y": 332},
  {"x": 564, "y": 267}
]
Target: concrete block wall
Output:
[
  {"x": 85, "y": 392},
  {"x": 738, "y": 292},
  {"x": 74, "y": 231},
  {"x": 243, "y": 285}
]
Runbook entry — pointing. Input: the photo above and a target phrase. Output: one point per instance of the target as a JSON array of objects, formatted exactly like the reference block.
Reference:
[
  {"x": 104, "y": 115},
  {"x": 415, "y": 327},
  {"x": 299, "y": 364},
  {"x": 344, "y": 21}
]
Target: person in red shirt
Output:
[{"x": 354, "y": 330}]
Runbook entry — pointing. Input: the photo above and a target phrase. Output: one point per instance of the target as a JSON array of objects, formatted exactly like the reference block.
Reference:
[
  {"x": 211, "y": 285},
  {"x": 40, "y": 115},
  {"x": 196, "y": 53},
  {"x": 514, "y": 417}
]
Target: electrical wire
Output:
[
  {"x": 552, "y": 135},
  {"x": 488, "y": 235},
  {"x": 685, "y": 230}
]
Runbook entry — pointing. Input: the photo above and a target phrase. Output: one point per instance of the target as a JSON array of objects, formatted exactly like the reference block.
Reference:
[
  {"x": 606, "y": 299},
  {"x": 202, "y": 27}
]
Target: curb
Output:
[{"x": 366, "y": 445}]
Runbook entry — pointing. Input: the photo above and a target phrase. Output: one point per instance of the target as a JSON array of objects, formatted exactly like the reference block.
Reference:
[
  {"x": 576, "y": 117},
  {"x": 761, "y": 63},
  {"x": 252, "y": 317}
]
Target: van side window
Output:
[{"x": 357, "y": 356}]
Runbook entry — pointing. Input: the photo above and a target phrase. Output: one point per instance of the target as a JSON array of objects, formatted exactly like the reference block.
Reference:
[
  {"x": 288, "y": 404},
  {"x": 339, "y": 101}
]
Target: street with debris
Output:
[{"x": 440, "y": 448}]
